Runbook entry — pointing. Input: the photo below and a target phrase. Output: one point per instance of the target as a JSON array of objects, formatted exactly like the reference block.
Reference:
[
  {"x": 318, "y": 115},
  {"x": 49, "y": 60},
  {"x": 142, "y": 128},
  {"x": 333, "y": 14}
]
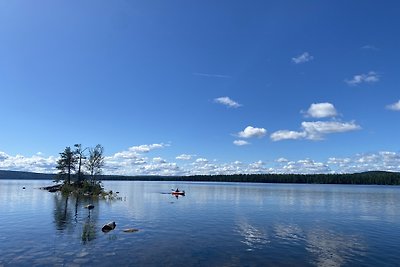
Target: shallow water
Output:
[{"x": 215, "y": 224}]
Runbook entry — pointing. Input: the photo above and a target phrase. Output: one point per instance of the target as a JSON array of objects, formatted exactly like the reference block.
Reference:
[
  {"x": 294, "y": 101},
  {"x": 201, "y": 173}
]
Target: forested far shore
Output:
[{"x": 373, "y": 177}]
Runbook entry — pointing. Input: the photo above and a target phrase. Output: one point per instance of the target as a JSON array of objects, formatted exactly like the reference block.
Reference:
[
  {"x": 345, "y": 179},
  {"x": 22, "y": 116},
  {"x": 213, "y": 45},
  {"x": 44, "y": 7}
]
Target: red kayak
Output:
[{"x": 178, "y": 193}]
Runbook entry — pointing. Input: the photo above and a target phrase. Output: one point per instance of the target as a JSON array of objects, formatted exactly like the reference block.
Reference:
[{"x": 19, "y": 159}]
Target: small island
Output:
[{"x": 79, "y": 171}]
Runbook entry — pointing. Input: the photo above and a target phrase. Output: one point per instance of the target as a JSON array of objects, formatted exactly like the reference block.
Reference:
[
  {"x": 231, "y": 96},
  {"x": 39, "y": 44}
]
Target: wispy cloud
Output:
[
  {"x": 394, "y": 106},
  {"x": 321, "y": 110},
  {"x": 303, "y": 58},
  {"x": 251, "y": 131},
  {"x": 209, "y": 75},
  {"x": 369, "y": 47},
  {"x": 369, "y": 77},
  {"x": 240, "y": 142},
  {"x": 225, "y": 100}
]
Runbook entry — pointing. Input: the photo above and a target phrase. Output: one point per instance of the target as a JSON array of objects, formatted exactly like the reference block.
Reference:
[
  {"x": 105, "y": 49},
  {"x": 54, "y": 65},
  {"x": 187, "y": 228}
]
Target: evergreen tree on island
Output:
[{"x": 66, "y": 164}]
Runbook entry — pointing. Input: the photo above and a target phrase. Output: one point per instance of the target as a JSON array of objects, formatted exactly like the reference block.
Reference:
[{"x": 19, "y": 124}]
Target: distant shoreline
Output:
[{"x": 364, "y": 178}]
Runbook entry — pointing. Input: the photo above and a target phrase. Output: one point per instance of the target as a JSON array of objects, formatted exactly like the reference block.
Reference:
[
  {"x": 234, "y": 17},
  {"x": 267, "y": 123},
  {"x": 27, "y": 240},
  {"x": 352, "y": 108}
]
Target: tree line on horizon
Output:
[{"x": 373, "y": 177}]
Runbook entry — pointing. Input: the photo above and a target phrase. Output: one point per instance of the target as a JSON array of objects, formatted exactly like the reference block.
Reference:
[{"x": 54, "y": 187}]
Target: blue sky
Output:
[{"x": 202, "y": 87}]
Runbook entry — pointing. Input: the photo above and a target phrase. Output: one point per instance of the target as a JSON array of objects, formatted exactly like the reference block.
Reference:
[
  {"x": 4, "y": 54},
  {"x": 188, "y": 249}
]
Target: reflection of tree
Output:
[
  {"x": 62, "y": 216},
  {"x": 88, "y": 231},
  {"x": 89, "y": 228},
  {"x": 69, "y": 210}
]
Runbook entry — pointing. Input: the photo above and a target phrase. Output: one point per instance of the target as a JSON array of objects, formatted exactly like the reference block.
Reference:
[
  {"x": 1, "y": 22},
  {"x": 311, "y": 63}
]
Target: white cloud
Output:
[
  {"x": 159, "y": 160},
  {"x": 3, "y": 156},
  {"x": 306, "y": 166},
  {"x": 210, "y": 75},
  {"x": 369, "y": 47},
  {"x": 395, "y": 106},
  {"x": 280, "y": 160},
  {"x": 227, "y": 102},
  {"x": 146, "y": 148},
  {"x": 378, "y": 161},
  {"x": 321, "y": 110},
  {"x": 201, "y": 160},
  {"x": 139, "y": 165},
  {"x": 184, "y": 157},
  {"x": 285, "y": 135},
  {"x": 34, "y": 163},
  {"x": 240, "y": 142},
  {"x": 305, "y": 57},
  {"x": 317, "y": 129},
  {"x": 369, "y": 77},
  {"x": 250, "y": 132}
]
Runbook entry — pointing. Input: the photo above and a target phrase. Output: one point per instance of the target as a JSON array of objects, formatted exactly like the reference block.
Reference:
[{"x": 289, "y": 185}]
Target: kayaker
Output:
[{"x": 177, "y": 190}]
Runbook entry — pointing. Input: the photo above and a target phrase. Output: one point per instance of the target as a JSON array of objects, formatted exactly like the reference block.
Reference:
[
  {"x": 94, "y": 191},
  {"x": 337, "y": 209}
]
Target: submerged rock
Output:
[
  {"x": 108, "y": 227},
  {"x": 130, "y": 230}
]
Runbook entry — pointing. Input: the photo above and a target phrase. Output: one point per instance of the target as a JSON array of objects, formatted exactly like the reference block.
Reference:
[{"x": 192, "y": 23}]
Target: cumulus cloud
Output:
[
  {"x": 315, "y": 130},
  {"x": 394, "y": 106},
  {"x": 227, "y": 102},
  {"x": 240, "y": 142},
  {"x": 250, "y": 132},
  {"x": 35, "y": 163},
  {"x": 369, "y": 77},
  {"x": 3, "y": 156},
  {"x": 280, "y": 160},
  {"x": 286, "y": 135},
  {"x": 140, "y": 165},
  {"x": 305, "y": 57},
  {"x": 201, "y": 160},
  {"x": 321, "y": 110},
  {"x": 159, "y": 160},
  {"x": 184, "y": 157},
  {"x": 305, "y": 166},
  {"x": 378, "y": 161},
  {"x": 146, "y": 148}
]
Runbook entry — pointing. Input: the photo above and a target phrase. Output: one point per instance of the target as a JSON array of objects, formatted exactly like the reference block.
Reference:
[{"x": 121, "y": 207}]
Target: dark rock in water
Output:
[
  {"x": 108, "y": 227},
  {"x": 23, "y": 187},
  {"x": 117, "y": 192},
  {"x": 90, "y": 206}
]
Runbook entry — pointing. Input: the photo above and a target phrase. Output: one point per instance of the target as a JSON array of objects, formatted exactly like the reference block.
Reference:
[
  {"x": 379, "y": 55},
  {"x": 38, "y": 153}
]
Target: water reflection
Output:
[
  {"x": 332, "y": 248},
  {"x": 62, "y": 215},
  {"x": 213, "y": 225},
  {"x": 289, "y": 232},
  {"x": 253, "y": 237},
  {"x": 70, "y": 212}
]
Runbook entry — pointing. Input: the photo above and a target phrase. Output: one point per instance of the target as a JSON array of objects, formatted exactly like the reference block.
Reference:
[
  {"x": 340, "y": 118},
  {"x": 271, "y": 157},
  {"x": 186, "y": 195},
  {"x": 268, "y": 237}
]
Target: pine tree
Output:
[{"x": 66, "y": 164}]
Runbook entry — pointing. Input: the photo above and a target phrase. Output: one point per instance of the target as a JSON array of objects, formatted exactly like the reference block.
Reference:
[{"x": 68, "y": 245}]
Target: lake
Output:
[{"x": 215, "y": 224}]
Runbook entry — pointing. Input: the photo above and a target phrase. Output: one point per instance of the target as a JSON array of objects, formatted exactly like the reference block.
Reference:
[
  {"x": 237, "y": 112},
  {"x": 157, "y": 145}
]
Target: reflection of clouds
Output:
[
  {"x": 288, "y": 232},
  {"x": 333, "y": 249},
  {"x": 253, "y": 237}
]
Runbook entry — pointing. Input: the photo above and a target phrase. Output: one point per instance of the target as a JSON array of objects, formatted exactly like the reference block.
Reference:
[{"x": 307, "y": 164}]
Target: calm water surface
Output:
[{"x": 215, "y": 224}]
